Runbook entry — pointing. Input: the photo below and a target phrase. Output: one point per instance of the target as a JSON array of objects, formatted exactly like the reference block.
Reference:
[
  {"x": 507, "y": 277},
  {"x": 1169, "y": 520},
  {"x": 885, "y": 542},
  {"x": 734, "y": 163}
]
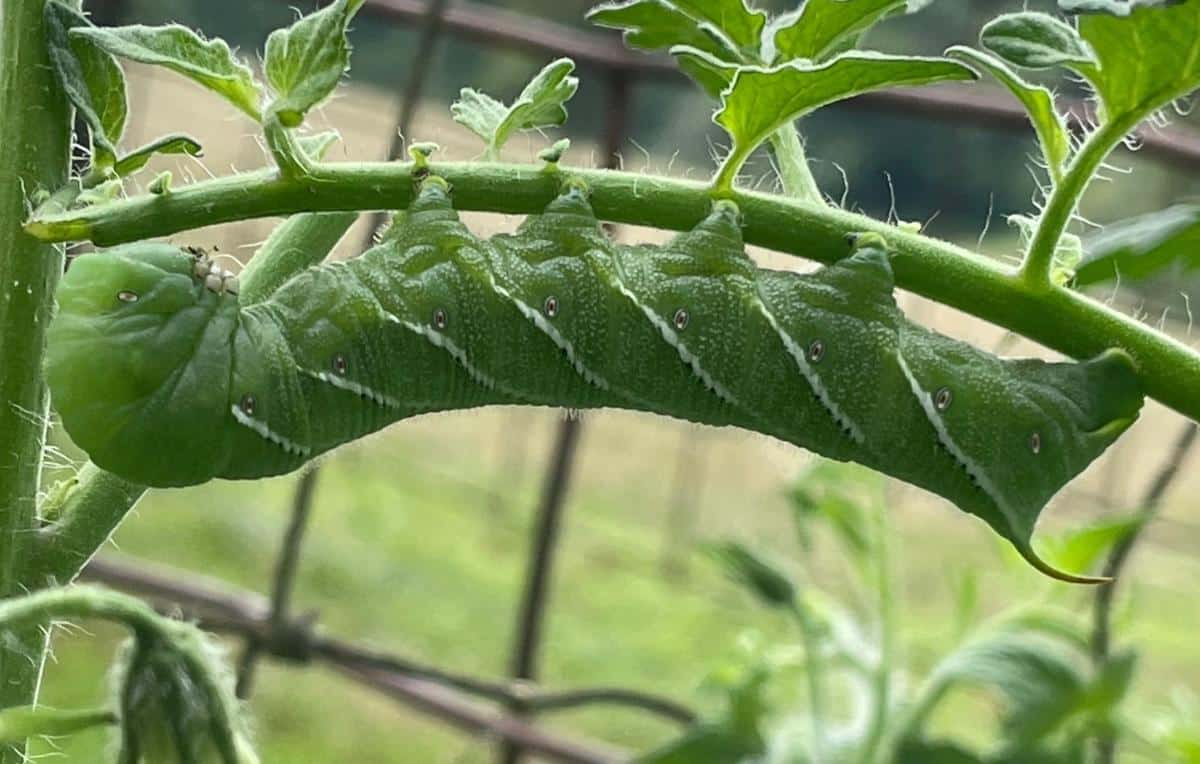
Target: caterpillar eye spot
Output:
[
  {"x": 852, "y": 240},
  {"x": 439, "y": 319},
  {"x": 1035, "y": 443},
  {"x": 248, "y": 404},
  {"x": 943, "y": 398},
  {"x": 551, "y": 306},
  {"x": 816, "y": 351},
  {"x": 126, "y": 296},
  {"x": 340, "y": 366},
  {"x": 681, "y": 319}
]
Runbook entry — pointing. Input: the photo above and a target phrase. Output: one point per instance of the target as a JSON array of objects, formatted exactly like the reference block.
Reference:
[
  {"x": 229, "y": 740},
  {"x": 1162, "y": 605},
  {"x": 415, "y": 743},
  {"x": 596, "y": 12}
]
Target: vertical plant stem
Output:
[
  {"x": 1106, "y": 742},
  {"x": 793, "y": 167},
  {"x": 35, "y": 141}
]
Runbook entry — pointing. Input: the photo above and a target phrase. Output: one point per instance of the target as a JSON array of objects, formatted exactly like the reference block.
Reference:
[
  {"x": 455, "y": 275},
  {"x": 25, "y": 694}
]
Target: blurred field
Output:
[{"x": 420, "y": 534}]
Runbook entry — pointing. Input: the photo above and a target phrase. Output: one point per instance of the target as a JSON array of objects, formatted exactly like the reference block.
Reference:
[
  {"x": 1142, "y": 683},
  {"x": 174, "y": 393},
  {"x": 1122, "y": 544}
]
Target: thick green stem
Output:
[
  {"x": 794, "y": 173},
  {"x": 1064, "y": 200},
  {"x": 35, "y": 140},
  {"x": 92, "y": 511},
  {"x": 1060, "y": 319}
]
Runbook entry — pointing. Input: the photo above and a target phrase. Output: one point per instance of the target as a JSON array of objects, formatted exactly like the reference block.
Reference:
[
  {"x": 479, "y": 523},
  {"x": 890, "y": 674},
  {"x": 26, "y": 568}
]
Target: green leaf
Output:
[
  {"x": 305, "y": 61},
  {"x": 819, "y": 29},
  {"x": 1143, "y": 246},
  {"x": 1048, "y": 123},
  {"x": 1082, "y": 549},
  {"x": 1120, "y": 8},
  {"x": 709, "y": 72},
  {"x": 91, "y": 78},
  {"x": 207, "y": 62},
  {"x": 541, "y": 104},
  {"x": 1145, "y": 60},
  {"x": 727, "y": 29},
  {"x": 316, "y": 145},
  {"x": 760, "y": 101},
  {"x": 1035, "y": 41},
  {"x": 168, "y": 144},
  {"x": 759, "y": 576},
  {"x": 657, "y": 25}
]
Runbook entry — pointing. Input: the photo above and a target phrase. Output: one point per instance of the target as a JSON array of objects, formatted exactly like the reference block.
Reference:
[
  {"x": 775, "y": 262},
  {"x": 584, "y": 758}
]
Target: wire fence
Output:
[{"x": 507, "y": 711}]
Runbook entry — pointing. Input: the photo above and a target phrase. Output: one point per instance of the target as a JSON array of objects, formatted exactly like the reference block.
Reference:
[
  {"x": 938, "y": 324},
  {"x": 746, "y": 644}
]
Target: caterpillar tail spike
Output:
[{"x": 164, "y": 377}]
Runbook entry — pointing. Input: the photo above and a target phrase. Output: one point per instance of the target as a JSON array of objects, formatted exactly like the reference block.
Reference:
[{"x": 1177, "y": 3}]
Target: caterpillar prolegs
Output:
[{"x": 165, "y": 379}]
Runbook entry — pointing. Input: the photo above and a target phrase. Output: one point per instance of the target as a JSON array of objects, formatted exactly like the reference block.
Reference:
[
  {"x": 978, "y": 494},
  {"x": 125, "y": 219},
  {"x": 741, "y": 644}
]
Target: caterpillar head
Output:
[
  {"x": 129, "y": 367},
  {"x": 141, "y": 359}
]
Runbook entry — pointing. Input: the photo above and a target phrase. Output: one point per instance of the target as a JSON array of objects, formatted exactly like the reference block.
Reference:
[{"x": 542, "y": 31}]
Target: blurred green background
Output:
[{"x": 420, "y": 535}]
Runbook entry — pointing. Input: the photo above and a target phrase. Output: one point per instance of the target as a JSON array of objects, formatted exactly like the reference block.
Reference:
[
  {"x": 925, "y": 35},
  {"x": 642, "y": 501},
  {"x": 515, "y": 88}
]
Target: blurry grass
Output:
[{"x": 409, "y": 549}]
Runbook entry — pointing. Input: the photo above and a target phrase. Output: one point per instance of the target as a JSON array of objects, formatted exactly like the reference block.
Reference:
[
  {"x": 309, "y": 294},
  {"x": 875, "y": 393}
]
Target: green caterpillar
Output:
[{"x": 165, "y": 379}]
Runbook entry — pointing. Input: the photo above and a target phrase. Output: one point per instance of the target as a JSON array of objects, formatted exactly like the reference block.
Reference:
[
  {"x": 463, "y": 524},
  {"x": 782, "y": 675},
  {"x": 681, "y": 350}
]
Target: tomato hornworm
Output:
[{"x": 164, "y": 378}]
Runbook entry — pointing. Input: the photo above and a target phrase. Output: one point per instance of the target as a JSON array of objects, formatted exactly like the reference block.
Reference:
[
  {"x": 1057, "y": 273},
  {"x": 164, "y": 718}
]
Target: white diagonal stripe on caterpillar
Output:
[
  {"x": 267, "y": 433},
  {"x": 355, "y": 387},
  {"x": 925, "y": 399},
  {"x": 440, "y": 340},
  {"x": 810, "y": 375}
]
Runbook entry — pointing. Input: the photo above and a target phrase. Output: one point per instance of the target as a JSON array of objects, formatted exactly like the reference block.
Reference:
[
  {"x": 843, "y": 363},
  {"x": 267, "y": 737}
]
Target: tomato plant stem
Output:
[{"x": 35, "y": 141}]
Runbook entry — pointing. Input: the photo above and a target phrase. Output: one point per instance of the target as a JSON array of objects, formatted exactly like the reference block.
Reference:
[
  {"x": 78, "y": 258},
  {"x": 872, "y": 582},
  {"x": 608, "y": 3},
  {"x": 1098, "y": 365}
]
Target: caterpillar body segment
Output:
[{"x": 168, "y": 381}]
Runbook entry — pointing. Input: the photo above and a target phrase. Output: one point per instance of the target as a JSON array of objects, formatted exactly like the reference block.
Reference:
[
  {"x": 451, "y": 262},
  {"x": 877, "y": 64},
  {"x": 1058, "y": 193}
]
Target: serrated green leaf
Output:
[
  {"x": 727, "y": 29},
  {"x": 709, "y": 72},
  {"x": 207, "y": 62},
  {"x": 1048, "y": 122},
  {"x": 305, "y": 62},
  {"x": 91, "y": 78},
  {"x": 1035, "y": 41},
  {"x": 1143, "y": 246},
  {"x": 168, "y": 144},
  {"x": 761, "y": 100},
  {"x": 819, "y": 29},
  {"x": 541, "y": 104},
  {"x": 657, "y": 25},
  {"x": 1145, "y": 60}
]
